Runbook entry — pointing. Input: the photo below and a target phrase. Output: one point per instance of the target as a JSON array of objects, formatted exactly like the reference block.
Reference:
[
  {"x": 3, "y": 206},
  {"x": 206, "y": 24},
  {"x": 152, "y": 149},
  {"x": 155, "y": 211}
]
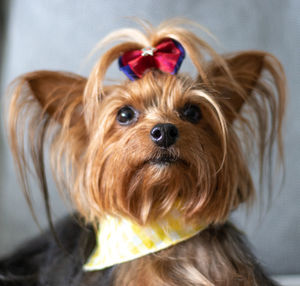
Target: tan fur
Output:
[{"x": 103, "y": 166}]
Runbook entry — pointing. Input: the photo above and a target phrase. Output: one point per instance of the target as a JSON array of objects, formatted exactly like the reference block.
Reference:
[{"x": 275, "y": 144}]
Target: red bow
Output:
[{"x": 166, "y": 56}]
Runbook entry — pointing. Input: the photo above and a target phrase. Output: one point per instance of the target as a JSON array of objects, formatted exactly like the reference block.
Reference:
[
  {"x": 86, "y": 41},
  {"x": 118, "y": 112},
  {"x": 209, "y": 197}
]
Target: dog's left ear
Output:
[{"x": 236, "y": 80}]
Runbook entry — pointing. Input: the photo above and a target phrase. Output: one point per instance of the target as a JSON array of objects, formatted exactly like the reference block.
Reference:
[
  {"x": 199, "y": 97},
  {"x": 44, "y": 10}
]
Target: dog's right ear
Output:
[
  {"x": 59, "y": 94},
  {"x": 46, "y": 110}
]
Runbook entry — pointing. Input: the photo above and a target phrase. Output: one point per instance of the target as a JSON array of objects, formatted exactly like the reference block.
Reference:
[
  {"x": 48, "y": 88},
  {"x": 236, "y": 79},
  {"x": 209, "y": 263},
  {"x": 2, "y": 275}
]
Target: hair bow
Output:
[{"x": 166, "y": 56}]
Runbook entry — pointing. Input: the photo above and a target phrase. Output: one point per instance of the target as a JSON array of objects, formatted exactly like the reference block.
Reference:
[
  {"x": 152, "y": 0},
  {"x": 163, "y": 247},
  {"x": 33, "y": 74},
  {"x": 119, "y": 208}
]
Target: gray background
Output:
[{"x": 59, "y": 35}]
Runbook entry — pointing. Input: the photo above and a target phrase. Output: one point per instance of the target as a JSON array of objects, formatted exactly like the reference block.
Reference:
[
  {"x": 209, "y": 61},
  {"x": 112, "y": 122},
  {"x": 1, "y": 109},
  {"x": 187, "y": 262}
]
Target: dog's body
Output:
[
  {"x": 43, "y": 262},
  {"x": 162, "y": 155}
]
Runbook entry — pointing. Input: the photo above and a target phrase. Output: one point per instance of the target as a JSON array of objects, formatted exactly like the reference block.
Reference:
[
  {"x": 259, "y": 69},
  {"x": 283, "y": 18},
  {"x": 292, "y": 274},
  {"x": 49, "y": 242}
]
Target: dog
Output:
[{"x": 154, "y": 164}]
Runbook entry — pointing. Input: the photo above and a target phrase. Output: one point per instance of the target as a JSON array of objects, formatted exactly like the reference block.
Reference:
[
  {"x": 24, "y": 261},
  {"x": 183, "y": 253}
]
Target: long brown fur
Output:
[{"x": 104, "y": 166}]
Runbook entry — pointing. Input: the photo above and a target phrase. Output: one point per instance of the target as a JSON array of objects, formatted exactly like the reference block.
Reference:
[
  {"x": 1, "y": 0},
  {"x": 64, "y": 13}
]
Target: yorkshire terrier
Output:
[{"x": 154, "y": 164}]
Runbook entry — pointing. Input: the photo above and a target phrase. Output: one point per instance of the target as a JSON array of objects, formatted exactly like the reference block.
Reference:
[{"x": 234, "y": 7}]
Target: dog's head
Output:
[{"x": 138, "y": 148}]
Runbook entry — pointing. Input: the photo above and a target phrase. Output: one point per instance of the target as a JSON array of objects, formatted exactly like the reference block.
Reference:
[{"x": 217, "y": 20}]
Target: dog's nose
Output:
[{"x": 164, "y": 134}]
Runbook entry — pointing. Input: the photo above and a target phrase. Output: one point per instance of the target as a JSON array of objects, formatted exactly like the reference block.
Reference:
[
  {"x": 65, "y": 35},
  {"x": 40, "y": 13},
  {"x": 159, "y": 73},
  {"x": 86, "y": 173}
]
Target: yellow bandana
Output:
[{"x": 120, "y": 240}]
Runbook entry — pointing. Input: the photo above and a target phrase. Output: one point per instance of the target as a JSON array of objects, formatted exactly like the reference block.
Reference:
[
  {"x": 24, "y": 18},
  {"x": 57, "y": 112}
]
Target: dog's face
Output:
[
  {"x": 160, "y": 145},
  {"x": 157, "y": 142},
  {"x": 140, "y": 148}
]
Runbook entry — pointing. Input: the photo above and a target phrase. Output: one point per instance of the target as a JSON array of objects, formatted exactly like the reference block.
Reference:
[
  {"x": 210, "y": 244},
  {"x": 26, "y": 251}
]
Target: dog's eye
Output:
[
  {"x": 191, "y": 113},
  {"x": 126, "y": 115}
]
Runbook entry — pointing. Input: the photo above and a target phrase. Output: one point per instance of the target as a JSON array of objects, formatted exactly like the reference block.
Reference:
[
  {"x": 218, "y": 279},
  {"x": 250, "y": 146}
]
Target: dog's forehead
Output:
[{"x": 156, "y": 91}]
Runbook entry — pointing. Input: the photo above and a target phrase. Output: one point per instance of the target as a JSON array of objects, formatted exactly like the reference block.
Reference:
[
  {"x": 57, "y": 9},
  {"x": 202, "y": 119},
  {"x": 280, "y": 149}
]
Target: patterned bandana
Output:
[{"x": 120, "y": 240}]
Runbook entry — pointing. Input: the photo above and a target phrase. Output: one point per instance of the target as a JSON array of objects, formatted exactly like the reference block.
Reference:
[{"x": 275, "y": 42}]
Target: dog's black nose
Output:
[{"x": 164, "y": 134}]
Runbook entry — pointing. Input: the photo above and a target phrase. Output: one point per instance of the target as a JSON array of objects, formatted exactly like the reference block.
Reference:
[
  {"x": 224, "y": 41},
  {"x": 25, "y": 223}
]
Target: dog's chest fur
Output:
[{"x": 43, "y": 262}]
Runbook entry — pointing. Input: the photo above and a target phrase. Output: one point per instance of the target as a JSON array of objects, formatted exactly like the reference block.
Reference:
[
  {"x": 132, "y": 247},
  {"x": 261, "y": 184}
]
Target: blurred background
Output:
[{"x": 58, "y": 35}]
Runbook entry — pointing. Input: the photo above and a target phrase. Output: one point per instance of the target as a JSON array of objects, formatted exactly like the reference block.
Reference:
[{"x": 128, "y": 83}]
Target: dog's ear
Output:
[
  {"x": 253, "y": 82},
  {"x": 59, "y": 94},
  {"x": 236, "y": 80},
  {"x": 46, "y": 107}
]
